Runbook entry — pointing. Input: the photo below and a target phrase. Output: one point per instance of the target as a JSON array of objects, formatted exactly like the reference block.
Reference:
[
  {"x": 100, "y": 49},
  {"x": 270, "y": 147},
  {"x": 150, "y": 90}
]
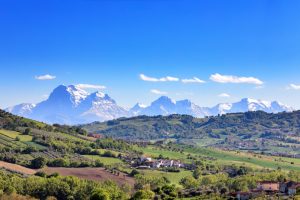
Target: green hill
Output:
[{"x": 257, "y": 131}]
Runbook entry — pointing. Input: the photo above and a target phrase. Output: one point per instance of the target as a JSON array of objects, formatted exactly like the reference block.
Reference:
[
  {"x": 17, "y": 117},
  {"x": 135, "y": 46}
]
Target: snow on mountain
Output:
[
  {"x": 166, "y": 106},
  {"x": 73, "y": 105},
  {"x": 136, "y": 109},
  {"x": 100, "y": 107},
  {"x": 24, "y": 109},
  {"x": 61, "y": 106},
  {"x": 77, "y": 94},
  {"x": 248, "y": 104},
  {"x": 162, "y": 106}
]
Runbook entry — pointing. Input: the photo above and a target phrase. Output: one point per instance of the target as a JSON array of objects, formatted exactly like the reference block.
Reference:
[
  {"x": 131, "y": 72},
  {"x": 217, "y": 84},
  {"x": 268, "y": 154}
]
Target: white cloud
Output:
[
  {"x": 192, "y": 80},
  {"x": 224, "y": 95},
  {"x": 163, "y": 79},
  {"x": 155, "y": 91},
  {"x": 294, "y": 87},
  {"x": 45, "y": 77},
  {"x": 90, "y": 86},
  {"x": 235, "y": 79}
]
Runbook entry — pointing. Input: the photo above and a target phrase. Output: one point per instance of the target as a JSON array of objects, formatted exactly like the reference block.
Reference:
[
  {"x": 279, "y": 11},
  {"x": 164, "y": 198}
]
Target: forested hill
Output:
[
  {"x": 243, "y": 125},
  {"x": 9, "y": 121}
]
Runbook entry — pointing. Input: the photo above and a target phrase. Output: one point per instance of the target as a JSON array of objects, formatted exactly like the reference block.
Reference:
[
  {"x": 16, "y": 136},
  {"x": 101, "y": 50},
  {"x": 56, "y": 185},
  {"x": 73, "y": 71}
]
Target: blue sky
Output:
[{"x": 248, "y": 48}]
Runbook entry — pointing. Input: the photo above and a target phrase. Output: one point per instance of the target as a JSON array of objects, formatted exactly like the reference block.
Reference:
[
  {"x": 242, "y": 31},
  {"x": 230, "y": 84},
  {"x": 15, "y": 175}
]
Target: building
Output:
[
  {"x": 268, "y": 186},
  {"x": 293, "y": 189},
  {"x": 95, "y": 135},
  {"x": 289, "y": 187}
]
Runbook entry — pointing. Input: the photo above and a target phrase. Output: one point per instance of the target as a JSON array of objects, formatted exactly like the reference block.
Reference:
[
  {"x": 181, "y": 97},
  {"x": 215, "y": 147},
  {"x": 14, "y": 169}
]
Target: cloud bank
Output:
[
  {"x": 224, "y": 95},
  {"x": 155, "y": 91},
  {"x": 45, "y": 77},
  {"x": 294, "y": 86},
  {"x": 90, "y": 86},
  {"x": 235, "y": 79},
  {"x": 163, "y": 79},
  {"x": 192, "y": 80}
]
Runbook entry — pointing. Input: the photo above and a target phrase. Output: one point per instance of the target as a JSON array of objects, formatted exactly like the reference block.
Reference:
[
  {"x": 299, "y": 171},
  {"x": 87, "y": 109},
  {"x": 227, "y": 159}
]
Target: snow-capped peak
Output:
[
  {"x": 100, "y": 94},
  {"x": 77, "y": 94},
  {"x": 23, "y": 109},
  {"x": 72, "y": 104},
  {"x": 141, "y": 105}
]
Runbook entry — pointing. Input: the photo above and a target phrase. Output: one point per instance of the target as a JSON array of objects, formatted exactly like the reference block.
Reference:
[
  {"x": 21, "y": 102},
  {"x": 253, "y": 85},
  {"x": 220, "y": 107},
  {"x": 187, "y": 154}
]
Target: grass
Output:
[
  {"x": 37, "y": 146},
  {"x": 10, "y": 142},
  {"x": 172, "y": 176},
  {"x": 228, "y": 158},
  {"x": 14, "y": 135},
  {"x": 104, "y": 160},
  {"x": 247, "y": 159},
  {"x": 155, "y": 152}
]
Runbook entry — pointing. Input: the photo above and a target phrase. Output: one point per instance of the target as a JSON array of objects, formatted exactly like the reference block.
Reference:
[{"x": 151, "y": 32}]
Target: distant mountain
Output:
[
  {"x": 166, "y": 106},
  {"x": 73, "y": 105},
  {"x": 100, "y": 107},
  {"x": 136, "y": 109},
  {"x": 248, "y": 104},
  {"x": 24, "y": 109}
]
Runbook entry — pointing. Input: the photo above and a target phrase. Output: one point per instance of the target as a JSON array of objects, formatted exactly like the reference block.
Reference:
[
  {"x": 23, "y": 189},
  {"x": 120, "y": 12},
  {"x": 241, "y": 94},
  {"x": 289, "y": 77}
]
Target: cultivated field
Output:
[
  {"x": 16, "y": 168},
  {"x": 96, "y": 174}
]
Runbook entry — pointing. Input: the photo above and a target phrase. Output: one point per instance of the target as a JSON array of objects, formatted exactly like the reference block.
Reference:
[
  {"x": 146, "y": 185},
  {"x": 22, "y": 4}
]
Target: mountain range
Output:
[{"x": 73, "y": 105}]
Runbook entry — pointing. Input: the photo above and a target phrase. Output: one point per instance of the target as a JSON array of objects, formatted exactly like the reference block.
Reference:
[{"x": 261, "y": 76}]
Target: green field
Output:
[
  {"x": 155, "y": 152},
  {"x": 172, "y": 176},
  {"x": 104, "y": 160},
  {"x": 14, "y": 134},
  {"x": 226, "y": 157},
  {"x": 10, "y": 142}
]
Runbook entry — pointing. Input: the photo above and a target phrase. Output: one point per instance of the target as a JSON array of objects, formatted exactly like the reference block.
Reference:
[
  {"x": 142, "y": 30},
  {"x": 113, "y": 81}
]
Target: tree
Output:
[
  {"x": 27, "y": 131},
  {"x": 197, "y": 173},
  {"x": 59, "y": 162},
  {"x": 189, "y": 182},
  {"x": 143, "y": 195},
  {"x": 134, "y": 172},
  {"x": 100, "y": 195},
  {"x": 38, "y": 163}
]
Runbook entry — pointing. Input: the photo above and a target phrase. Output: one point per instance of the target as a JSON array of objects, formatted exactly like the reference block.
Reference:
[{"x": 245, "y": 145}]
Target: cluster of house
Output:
[
  {"x": 289, "y": 188},
  {"x": 95, "y": 135},
  {"x": 147, "y": 163}
]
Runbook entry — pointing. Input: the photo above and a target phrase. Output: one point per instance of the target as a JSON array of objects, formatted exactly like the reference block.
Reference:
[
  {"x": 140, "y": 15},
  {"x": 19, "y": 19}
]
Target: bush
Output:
[
  {"x": 108, "y": 154},
  {"x": 27, "y": 131},
  {"x": 100, "y": 195},
  {"x": 59, "y": 162},
  {"x": 55, "y": 174},
  {"x": 41, "y": 174},
  {"x": 134, "y": 172},
  {"x": 29, "y": 150},
  {"x": 38, "y": 163},
  {"x": 98, "y": 163},
  {"x": 143, "y": 194},
  {"x": 171, "y": 169}
]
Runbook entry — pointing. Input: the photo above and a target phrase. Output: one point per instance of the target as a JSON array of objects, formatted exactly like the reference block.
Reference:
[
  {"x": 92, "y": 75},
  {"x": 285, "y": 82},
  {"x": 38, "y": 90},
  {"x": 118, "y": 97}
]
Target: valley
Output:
[{"x": 178, "y": 152}]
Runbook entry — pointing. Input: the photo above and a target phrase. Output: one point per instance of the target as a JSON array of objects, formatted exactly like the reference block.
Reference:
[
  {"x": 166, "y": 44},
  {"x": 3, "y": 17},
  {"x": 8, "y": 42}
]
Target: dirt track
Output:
[
  {"x": 96, "y": 174},
  {"x": 16, "y": 168}
]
